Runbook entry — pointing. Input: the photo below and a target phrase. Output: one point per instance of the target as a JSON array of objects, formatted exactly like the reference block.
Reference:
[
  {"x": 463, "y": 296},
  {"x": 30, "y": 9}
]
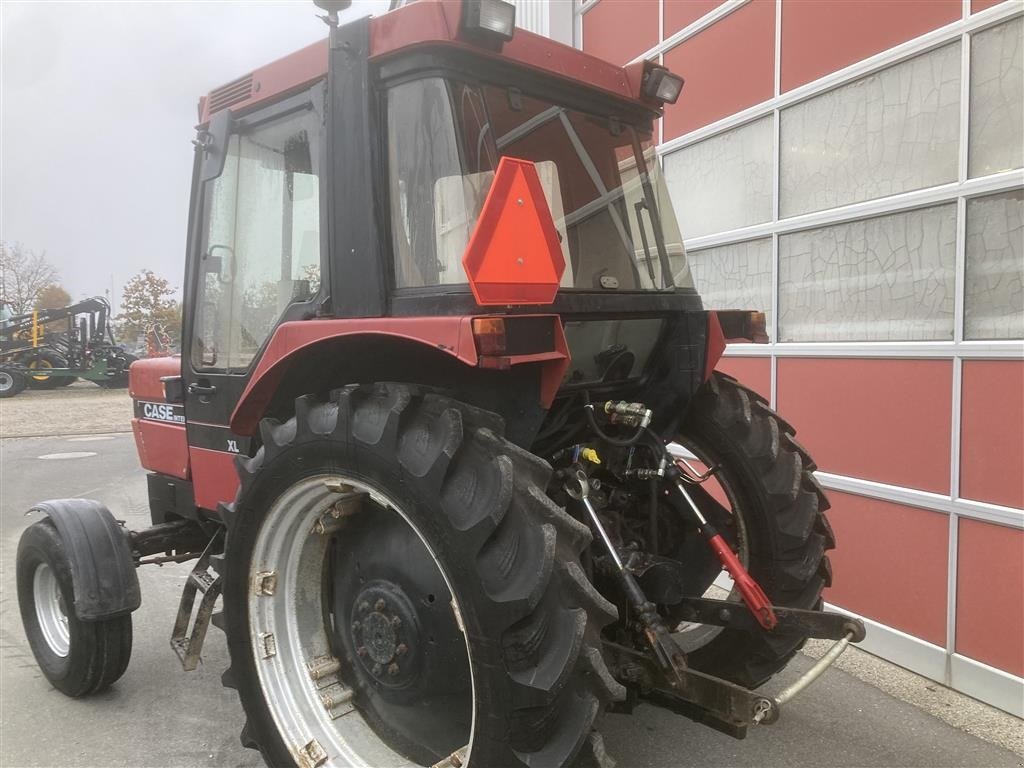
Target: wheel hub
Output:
[
  {"x": 385, "y": 633},
  {"x": 50, "y": 610}
]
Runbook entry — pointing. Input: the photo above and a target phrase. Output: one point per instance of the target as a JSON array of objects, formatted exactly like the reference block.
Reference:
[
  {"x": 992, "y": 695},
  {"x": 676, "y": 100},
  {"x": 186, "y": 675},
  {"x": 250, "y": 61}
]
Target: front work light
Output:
[
  {"x": 662, "y": 85},
  {"x": 488, "y": 19}
]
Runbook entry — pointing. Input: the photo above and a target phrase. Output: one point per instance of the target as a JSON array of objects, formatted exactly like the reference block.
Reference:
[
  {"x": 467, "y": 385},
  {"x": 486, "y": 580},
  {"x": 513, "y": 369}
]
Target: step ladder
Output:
[{"x": 202, "y": 579}]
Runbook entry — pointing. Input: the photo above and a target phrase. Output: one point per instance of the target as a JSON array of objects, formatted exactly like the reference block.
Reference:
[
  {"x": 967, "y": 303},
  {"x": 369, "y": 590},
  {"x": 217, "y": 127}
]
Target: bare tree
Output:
[{"x": 23, "y": 276}]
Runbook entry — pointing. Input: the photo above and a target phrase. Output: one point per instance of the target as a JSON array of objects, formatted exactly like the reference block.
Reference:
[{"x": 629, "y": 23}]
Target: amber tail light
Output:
[{"x": 489, "y": 334}]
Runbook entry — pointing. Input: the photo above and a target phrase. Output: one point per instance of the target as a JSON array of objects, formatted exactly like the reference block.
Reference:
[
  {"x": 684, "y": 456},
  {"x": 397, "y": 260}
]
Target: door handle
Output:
[{"x": 202, "y": 389}]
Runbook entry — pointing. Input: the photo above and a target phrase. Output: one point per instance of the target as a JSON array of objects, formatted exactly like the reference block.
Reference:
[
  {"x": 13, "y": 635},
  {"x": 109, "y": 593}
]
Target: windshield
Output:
[{"x": 601, "y": 178}]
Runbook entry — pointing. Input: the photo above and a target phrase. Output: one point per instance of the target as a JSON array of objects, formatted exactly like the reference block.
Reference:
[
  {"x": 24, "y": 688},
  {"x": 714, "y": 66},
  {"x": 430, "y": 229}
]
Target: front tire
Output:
[
  {"x": 524, "y": 678},
  {"x": 79, "y": 658}
]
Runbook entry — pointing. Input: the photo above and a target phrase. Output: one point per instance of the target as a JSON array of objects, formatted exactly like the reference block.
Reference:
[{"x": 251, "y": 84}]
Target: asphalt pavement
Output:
[{"x": 158, "y": 715}]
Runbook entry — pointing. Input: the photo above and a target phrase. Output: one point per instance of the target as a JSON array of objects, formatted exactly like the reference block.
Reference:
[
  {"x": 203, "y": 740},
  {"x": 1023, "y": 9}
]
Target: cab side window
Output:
[{"x": 261, "y": 245}]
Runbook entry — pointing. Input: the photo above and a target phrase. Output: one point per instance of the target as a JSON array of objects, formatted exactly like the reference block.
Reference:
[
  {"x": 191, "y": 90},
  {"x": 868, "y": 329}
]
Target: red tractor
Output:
[{"x": 446, "y": 433}]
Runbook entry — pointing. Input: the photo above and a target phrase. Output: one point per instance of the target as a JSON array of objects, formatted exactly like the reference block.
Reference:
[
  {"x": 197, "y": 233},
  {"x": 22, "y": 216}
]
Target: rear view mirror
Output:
[
  {"x": 213, "y": 143},
  {"x": 223, "y": 266}
]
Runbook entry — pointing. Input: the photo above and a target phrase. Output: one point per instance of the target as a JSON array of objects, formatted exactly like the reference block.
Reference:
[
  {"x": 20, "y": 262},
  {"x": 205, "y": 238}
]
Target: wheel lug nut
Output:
[
  {"x": 364, "y": 607},
  {"x": 380, "y": 605},
  {"x": 393, "y": 668},
  {"x": 396, "y": 622},
  {"x": 357, "y": 625},
  {"x": 401, "y": 650},
  {"x": 361, "y": 650}
]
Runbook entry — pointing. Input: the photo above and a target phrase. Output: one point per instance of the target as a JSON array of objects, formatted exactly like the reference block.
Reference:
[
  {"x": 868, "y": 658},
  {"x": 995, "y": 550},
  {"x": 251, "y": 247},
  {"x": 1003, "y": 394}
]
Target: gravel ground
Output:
[{"x": 80, "y": 409}]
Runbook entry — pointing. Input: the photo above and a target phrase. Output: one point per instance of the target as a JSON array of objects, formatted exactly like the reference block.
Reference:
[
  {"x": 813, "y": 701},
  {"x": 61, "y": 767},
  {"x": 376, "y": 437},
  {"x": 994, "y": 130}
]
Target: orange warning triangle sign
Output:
[{"x": 514, "y": 256}]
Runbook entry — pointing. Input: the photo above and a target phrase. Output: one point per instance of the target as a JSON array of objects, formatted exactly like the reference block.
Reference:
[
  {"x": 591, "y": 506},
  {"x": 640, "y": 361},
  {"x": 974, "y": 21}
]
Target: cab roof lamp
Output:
[
  {"x": 493, "y": 20},
  {"x": 662, "y": 85}
]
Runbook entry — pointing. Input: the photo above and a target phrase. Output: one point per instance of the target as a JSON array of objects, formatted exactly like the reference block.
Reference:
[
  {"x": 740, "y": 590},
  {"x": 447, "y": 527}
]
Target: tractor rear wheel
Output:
[
  {"x": 398, "y": 587},
  {"x": 779, "y": 527}
]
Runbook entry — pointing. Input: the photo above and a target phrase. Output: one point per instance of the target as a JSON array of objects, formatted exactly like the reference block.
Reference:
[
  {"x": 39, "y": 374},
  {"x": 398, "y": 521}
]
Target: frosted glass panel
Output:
[
  {"x": 997, "y": 99},
  {"x": 735, "y": 276},
  {"x": 723, "y": 182},
  {"x": 994, "y": 284},
  {"x": 891, "y": 132},
  {"x": 884, "y": 279}
]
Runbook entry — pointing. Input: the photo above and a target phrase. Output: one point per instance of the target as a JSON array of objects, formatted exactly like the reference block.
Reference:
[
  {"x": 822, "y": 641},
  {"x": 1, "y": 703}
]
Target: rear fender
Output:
[
  {"x": 102, "y": 571},
  {"x": 451, "y": 336}
]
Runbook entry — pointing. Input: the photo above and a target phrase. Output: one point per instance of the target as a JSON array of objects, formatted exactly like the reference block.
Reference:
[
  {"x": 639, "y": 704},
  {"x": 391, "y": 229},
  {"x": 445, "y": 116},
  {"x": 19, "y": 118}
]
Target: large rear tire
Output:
[
  {"x": 780, "y": 507},
  {"x": 451, "y": 597}
]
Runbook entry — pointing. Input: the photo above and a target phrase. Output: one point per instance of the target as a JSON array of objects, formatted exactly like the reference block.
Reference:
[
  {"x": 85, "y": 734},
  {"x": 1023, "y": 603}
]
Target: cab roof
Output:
[{"x": 418, "y": 25}]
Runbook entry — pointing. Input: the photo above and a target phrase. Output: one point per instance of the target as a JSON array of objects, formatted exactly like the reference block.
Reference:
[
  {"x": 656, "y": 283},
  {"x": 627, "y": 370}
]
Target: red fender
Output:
[{"x": 451, "y": 335}]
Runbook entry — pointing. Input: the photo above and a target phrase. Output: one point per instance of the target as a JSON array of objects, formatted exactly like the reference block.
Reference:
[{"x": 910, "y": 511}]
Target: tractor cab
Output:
[{"x": 355, "y": 179}]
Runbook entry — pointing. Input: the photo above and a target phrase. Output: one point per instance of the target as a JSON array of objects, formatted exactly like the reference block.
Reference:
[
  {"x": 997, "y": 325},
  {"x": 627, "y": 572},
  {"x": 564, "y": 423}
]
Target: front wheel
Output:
[
  {"x": 398, "y": 587},
  {"x": 79, "y": 658}
]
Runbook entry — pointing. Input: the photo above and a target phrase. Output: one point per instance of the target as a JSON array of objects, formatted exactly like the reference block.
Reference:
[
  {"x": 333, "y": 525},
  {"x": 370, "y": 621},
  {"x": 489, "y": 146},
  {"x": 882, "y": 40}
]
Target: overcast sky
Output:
[{"x": 97, "y": 112}]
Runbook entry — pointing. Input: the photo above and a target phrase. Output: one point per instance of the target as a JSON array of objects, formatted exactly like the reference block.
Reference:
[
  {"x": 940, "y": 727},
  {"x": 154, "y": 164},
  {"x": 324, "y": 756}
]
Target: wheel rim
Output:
[
  {"x": 50, "y": 610},
  {"x": 36, "y": 365},
  {"x": 6, "y": 381},
  {"x": 298, "y": 633},
  {"x": 690, "y": 636}
]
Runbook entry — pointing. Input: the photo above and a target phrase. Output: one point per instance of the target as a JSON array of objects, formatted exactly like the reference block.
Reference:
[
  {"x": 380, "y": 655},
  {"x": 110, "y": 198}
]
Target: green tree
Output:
[{"x": 148, "y": 300}]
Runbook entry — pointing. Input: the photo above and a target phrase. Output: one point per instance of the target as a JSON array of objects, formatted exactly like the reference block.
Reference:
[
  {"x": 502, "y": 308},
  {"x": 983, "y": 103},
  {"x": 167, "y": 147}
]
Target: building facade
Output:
[{"x": 854, "y": 169}]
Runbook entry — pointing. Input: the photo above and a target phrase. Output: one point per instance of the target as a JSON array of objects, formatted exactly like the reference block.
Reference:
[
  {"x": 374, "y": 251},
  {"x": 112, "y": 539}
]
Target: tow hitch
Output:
[{"x": 722, "y": 705}]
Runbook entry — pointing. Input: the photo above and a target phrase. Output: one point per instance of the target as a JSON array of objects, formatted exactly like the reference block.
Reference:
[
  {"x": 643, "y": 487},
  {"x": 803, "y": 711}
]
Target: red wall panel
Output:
[
  {"x": 822, "y": 37},
  {"x": 882, "y": 420},
  {"x": 989, "y": 610},
  {"x": 753, "y": 372},
  {"x": 981, "y": 5},
  {"x": 992, "y": 432},
  {"x": 876, "y": 576},
  {"x": 728, "y": 67},
  {"x": 620, "y": 30},
  {"x": 682, "y": 13}
]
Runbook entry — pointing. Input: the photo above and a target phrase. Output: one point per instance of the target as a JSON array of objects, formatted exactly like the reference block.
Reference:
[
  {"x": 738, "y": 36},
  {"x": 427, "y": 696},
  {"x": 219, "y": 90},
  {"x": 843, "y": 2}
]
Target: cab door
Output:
[{"x": 255, "y": 262}]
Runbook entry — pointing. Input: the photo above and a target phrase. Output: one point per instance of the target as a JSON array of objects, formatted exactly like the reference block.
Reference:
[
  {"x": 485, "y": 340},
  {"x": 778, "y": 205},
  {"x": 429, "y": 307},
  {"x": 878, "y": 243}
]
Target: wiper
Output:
[{"x": 638, "y": 208}]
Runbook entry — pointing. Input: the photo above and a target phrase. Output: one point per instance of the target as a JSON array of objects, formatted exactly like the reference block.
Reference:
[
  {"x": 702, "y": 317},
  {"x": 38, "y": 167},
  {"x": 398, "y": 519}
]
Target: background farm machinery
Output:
[{"x": 49, "y": 348}]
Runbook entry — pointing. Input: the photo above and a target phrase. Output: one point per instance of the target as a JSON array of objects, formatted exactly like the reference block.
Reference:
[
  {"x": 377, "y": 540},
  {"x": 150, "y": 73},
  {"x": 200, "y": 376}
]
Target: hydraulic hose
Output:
[{"x": 588, "y": 409}]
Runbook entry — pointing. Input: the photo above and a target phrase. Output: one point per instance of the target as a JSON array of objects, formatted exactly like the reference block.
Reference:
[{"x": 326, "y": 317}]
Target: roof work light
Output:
[
  {"x": 492, "y": 20},
  {"x": 662, "y": 85}
]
